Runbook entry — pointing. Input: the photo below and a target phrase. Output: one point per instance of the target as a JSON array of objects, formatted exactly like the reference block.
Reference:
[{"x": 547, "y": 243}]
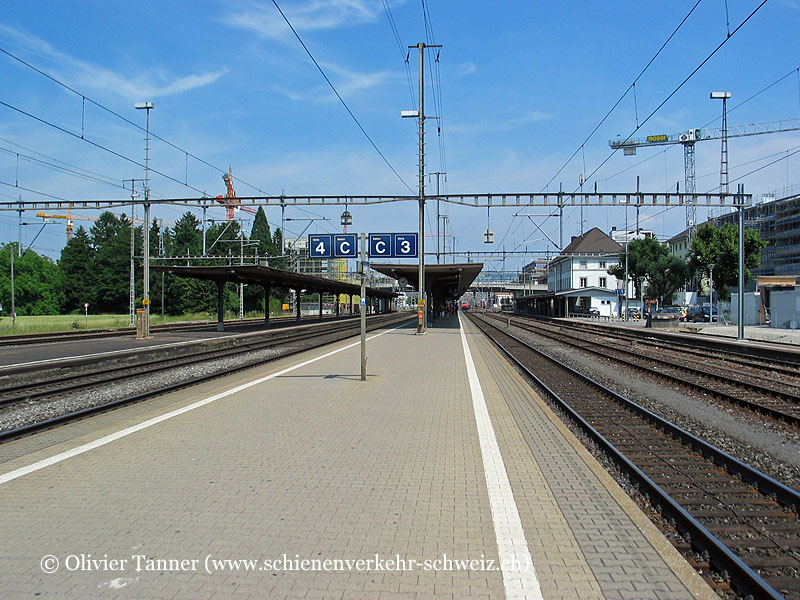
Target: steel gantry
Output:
[{"x": 550, "y": 199}]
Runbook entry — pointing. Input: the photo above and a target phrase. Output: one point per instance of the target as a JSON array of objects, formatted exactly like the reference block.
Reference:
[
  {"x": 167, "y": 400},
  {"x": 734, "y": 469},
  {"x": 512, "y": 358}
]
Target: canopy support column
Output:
[{"x": 220, "y": 306}]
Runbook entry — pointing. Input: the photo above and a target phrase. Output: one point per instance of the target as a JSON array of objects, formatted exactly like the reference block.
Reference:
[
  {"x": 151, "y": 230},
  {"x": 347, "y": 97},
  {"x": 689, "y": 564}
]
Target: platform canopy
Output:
[
  {"x": 271, "y": 277},
  {"x": 441, "y": 281}
]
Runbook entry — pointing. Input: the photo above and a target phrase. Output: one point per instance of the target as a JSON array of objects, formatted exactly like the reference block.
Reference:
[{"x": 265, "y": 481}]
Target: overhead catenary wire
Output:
[
  {"x": 97, "y": 145},
  {"x": 85, "y": 98},
  {"x": 403, "y": 53},
  {"x": 613, "y": 108},
  {"x": 624, "y": 94},
  {"x": 336, "y": 92},
  {"x": 681, "y": 84}
]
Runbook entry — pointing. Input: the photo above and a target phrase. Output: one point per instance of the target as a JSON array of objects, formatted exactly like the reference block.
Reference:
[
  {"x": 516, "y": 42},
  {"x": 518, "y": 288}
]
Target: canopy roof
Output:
[
  {"x": 268, "y": 276},
  {"x": 442, "y": 281}
]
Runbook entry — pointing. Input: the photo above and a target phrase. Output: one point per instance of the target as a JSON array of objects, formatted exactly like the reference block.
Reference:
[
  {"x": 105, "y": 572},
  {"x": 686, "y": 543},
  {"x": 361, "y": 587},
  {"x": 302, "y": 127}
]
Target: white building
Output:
[{"x": 578, "y": 280}]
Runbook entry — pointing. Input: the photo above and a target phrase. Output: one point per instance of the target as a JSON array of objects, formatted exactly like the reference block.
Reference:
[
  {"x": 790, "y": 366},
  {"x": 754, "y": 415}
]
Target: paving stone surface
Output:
[{"x": 315, "y": 465}]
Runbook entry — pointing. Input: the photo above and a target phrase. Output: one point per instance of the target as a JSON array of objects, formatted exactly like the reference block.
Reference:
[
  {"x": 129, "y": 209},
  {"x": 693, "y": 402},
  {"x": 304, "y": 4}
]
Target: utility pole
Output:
[
  {"x": 132, "y": 283},
  {"x": 420, "y": 114},
  {"x": 147, "y": 106}
]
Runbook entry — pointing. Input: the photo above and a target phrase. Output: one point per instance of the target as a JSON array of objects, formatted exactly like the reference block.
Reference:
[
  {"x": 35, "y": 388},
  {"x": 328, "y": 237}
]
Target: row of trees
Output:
[
  {"x": 94, "y": 267},
  {"x": 713, "y": 247}
]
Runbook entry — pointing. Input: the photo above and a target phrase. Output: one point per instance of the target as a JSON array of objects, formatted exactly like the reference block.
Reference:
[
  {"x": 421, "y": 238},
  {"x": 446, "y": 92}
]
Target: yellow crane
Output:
[{"x": 68, "y": 217}]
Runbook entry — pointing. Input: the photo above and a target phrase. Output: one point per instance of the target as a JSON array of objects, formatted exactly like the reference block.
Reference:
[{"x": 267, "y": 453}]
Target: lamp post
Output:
[{"x": 146, "y": 106}]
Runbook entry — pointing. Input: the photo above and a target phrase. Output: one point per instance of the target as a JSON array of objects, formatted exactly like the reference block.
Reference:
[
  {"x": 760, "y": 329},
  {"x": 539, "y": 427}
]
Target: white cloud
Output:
[
  {"x": 347, "y": 83},
  {"x": 79, "y": 73},
  {"x": 527, "y": 118},
  {"x": 464, "y": 69},
  {"x": 265, "y": 20}
]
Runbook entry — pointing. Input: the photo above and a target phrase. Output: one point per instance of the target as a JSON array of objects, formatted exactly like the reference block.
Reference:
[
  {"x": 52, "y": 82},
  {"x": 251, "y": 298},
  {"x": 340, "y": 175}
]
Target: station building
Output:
[{"x": 578, "y": 280}]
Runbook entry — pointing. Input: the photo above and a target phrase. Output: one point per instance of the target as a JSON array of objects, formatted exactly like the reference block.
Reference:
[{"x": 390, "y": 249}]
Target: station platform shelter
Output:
[
  {"x": 569, "y": 302},
  {"x": 378, "y": 300},
  {"x": 443, "y": 475},
  {"x": 444, "y": 283}
]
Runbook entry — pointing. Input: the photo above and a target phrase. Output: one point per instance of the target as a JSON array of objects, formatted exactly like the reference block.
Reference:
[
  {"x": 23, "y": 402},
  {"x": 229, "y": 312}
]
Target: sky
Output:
[{"x": 519, "y": 101}]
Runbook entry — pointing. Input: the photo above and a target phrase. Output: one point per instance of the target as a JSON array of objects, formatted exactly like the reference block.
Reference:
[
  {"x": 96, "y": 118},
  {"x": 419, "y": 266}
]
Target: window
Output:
[
  {"x": 603, "y": 265},
  {"x": 583, "y": 264},
  {"x": 602, "y": 282},
  {"x": 584, "y": 282}
]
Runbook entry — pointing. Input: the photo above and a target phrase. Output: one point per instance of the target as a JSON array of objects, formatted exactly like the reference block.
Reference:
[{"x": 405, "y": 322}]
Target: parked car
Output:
[
  {"x": 699, "y": 314},
  {"x": 594, "y": 312},
  {"x": 634, "y": 313},
  {"x": 670, "y": 310}
]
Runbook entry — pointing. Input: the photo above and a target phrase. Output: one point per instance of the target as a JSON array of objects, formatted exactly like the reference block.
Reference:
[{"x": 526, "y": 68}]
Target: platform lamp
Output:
[
  {"x": 346, "y": 219},
  {"x": 146, "y": 106}
]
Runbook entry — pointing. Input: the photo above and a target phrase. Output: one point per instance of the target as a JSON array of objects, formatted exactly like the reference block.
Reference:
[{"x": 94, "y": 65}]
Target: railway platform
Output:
[{"x": 443, "y": 475}]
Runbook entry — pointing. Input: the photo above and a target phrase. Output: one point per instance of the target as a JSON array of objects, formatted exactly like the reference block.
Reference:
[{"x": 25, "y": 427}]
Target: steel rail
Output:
[
  {"x": 701, "y": 538},
  {"x": 754, "y": 406}
]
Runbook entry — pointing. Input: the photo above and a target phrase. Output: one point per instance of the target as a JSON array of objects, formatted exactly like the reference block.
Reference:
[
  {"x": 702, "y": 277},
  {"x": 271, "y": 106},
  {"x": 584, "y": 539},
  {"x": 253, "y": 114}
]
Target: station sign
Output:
[
  {"x": 320, "y": 245},
  {"x": 405, "y": 245},
  {"x": 345, "y": 245},
  {"x": 393, "y": 245},
  {"x": 380, "y": 245},
  {"x": 327, "y": 245}
]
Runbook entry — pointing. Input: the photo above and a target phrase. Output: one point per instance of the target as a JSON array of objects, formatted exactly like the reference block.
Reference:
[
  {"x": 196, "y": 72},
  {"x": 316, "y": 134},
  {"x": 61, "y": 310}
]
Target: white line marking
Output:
[
  {"x": 46, "y": 462},
  {"x": 107, "y": 352},
  {"x": 519, "y": 573}
]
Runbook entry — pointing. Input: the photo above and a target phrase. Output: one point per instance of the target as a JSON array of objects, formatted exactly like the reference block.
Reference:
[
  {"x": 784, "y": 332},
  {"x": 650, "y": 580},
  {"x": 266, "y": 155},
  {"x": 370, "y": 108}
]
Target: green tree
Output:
[
  {"x": 646, "y": 260},
  {"x": 186, "y": 236},
  {"x": 719, "y": 246},
  {"x": 75, "y": 264},
  {"x": 261, "y": 234},
  {"x": 185, "y": 295},
  {"x": 110, "y": 237},
  {"x": 38, "y": 283},
  {"x": 277, "y": 245},
  {"x": 667, "y": 275}
]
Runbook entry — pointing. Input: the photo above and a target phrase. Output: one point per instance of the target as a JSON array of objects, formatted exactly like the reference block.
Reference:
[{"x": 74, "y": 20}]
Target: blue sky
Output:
[{"x": 520, "y": 86}]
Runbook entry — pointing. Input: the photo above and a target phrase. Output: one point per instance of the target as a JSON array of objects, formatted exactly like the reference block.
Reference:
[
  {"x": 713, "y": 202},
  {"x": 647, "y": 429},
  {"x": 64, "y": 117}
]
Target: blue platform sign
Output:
[
  {"x": 405, "y": 245},
  {"x": 380, "y": 245},
  {"x": 344, "y": 245},
  {"x": 320, "y": 245}
]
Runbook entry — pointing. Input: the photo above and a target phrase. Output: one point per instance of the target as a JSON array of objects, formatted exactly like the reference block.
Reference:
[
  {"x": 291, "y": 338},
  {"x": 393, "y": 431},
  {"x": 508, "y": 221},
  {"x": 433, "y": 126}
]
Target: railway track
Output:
[
  {"x": 769, "y": 357},
  {"x": 772, "y": 390},
  {"x": 727, "y": 514},
  {"x": 27, "y": 385},
  {"x": 62, "y": 336}
]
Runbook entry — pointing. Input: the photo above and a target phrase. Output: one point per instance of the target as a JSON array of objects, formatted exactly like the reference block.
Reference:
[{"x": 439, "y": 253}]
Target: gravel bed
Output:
[
  {"x": 19, "y": 415},
  {"x": 769, "y": 446}
]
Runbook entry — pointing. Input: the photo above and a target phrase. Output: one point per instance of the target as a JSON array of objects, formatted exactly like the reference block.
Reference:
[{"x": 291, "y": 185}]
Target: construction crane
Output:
[
  {"x": 68, "y": 217},
  {"x": 689, "y": 138},
  {"x": 229, "y": 199}
]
